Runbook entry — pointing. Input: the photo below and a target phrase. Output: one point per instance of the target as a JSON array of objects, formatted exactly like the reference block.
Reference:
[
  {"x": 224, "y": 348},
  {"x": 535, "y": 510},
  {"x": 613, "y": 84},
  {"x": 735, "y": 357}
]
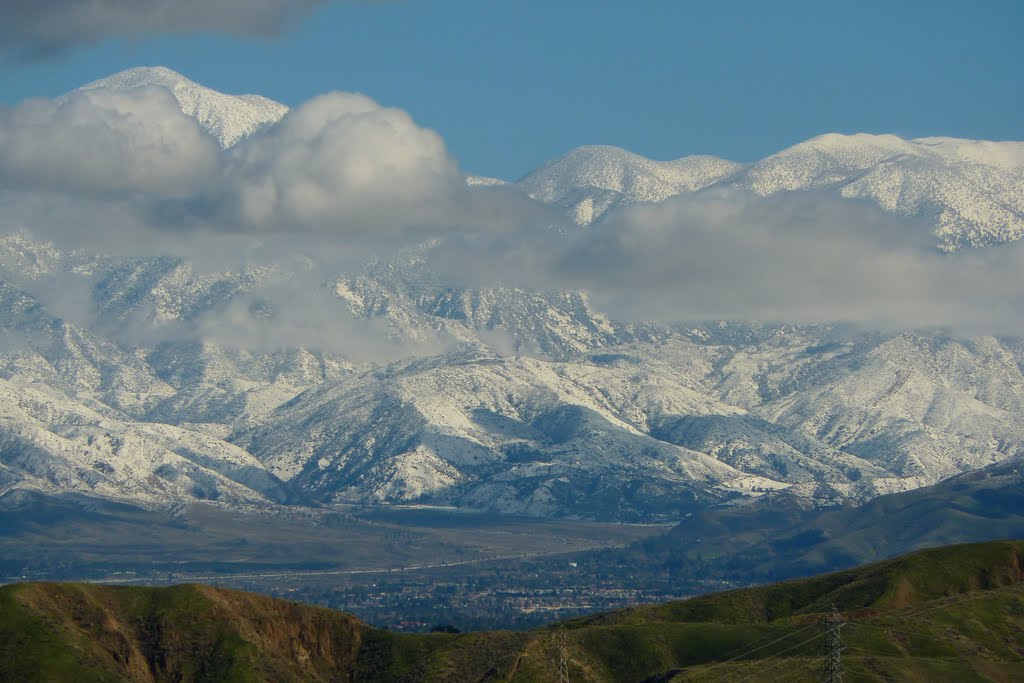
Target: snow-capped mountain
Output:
[
  {"x": 228, "y": 118},
  {"x": 528, "y": 401},
  {"x": 618, "y": 422},
  {"x": 971, "y": 192},
  {"x": 591, "y": 181}
]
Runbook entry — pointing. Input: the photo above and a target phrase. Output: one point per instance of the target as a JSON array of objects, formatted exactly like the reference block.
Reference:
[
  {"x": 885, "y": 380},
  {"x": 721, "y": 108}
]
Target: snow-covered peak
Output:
[
  {"x": 612, "y": 168},
  {"x": 1004, "y": 154},
  {"x": 853, "y": 143},
  {"x": 834, "y": 157},
  {"x": 228, "y": 118},
  {"x": 824, "y": 161},
  {"x": 591, "y": 180},
  {"x": 970, "y": 191},
  {"x": 140, "y": 77}
]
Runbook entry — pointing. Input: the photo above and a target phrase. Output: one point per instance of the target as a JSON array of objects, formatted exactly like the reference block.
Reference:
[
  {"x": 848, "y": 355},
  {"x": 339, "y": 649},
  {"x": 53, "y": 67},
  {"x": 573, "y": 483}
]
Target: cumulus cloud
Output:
[
  {"x": 103, "y": 143},
  {"x": 33, "y": 28},
  {"x": 340, "y": 166},
  {"x": 341, "y": 160}
]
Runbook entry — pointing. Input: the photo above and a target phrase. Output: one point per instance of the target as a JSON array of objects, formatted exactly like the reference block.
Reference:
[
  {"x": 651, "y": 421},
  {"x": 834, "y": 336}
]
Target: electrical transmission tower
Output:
[
  {"x": 563, "y": 656},
  {"x": 832, "y": 671}
]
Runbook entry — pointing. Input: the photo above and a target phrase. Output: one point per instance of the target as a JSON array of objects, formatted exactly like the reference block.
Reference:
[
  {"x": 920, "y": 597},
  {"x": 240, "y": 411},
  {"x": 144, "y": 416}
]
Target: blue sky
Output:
[{"x": 511, "y": 84}]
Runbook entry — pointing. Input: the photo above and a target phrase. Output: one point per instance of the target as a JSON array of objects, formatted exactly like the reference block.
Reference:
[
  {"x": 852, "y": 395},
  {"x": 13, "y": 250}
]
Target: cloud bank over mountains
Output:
[
  {"x": 339, "y": 165},
  {"x": 795, "y": 258},
  {"x": 342, "y": 180},
  {"x": 229, "y": 295},
  {"x": 32, "y": 29}
]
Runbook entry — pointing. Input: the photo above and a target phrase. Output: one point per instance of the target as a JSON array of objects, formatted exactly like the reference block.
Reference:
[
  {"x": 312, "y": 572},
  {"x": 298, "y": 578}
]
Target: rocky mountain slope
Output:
[
  {"x": 524, "y": 401},
  {"x": 612, "y": 422}
]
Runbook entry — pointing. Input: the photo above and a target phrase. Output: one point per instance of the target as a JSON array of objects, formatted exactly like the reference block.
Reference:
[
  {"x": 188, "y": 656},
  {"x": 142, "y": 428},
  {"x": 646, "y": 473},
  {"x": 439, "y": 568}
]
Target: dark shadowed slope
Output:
[{"x": 771, "y": 542}]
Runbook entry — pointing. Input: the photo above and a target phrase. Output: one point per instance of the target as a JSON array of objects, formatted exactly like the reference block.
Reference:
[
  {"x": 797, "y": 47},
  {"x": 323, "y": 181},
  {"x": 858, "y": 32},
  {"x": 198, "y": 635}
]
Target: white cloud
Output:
[
  {"x": 340, "y": 178},
  {"x": 102, "y": 143},
  {"x": 299, "y": 312},
  {"x": 798, "y": 258},
  {"x": 341, "y": 161},
  {"x": 131, "y": 163}
]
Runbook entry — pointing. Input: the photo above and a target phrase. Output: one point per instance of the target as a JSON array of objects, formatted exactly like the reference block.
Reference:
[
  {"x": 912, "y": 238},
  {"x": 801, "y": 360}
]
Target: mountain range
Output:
[
  {"x": 969, "y": 192},
  {"x": 575, "y": 414}
]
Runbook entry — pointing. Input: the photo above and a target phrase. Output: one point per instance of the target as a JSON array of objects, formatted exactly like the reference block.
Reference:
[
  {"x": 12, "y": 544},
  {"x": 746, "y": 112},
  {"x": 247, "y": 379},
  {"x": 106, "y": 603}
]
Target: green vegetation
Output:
[{"x": 952, "y": 613}]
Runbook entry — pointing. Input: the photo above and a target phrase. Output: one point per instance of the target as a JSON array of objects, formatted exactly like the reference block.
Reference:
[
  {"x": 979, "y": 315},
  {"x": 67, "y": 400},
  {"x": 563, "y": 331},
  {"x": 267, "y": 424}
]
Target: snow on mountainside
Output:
[
  {"x": 515, "y": 435},
  {"x": 971, "y": 192},
  {"x": 590, "y": 181},
  {"x": 228, "y": 118},
  {"x": 611, "y": 422},
  {"x": 483, "y": 181},
  {"x": 414, "y": 302},
  {"x": 526, "y": 401},
  {"x": 49, "y": 442}
]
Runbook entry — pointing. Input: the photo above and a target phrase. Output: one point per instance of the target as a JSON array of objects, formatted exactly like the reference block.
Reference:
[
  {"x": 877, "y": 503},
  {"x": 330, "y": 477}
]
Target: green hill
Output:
[{"x": 952, "y": 613}]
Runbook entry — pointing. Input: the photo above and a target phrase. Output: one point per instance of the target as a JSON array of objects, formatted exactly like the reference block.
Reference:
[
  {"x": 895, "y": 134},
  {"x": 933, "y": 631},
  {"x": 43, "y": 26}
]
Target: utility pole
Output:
[
  {"x": 832, "y": 670},
  {"x": 563, "y": 656}
]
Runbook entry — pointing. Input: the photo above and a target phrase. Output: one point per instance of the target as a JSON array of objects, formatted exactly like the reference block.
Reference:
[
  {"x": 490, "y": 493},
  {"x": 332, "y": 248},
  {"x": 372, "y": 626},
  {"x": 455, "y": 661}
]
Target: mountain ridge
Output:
[
  {"x": 228, "y": 118},
  {"x": 592, "y": 180},
  {"x": 971, "y": 192},
  {"x": 526, "y": 401},
  {"x": 89, "y": 632}
]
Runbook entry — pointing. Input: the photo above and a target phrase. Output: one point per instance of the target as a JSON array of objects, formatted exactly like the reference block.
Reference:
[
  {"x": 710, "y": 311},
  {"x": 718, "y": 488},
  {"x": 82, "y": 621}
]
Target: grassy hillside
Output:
[
  {"x": 954, "y": 613},
  {"x": 898, "y": 583}
]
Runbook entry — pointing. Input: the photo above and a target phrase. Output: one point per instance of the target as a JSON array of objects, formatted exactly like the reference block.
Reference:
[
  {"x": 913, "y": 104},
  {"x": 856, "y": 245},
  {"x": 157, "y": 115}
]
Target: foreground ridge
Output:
[{"x": 948, "y": 613}]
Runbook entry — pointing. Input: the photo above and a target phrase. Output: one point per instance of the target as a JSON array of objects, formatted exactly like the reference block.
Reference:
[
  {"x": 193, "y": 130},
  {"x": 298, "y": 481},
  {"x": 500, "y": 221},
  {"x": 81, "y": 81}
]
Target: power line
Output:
[
  {"x": 865, "y": 672},
  {"x": 948, "y": 601},
  {"x": 810, "y": 664},
  {"x": 753, "y": 650},
  {"x": 746, "y": 648},
  {"x": 888, "y": 629},
  {"x": 781, "y": 662},
  {"x": 952, "y": 661}
]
